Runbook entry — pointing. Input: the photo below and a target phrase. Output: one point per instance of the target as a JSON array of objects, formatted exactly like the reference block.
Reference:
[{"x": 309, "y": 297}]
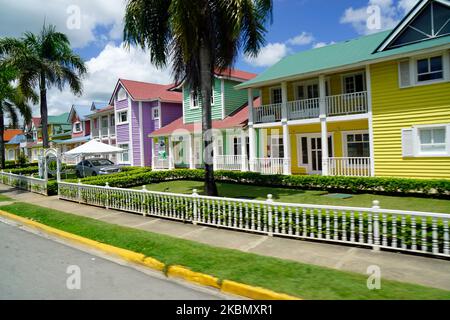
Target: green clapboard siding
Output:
[
  {"x": 195, "y": 115},
  {"x": 234, "y": 99}
]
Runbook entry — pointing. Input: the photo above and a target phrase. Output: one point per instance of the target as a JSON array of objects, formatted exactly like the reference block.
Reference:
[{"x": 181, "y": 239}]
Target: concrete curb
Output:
[{"x": 225, "y": 286}]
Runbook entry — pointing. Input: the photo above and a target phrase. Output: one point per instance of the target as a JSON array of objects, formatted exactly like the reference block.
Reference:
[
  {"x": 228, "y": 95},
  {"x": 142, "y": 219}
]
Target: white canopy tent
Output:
[{"x": 93, "y": 147}]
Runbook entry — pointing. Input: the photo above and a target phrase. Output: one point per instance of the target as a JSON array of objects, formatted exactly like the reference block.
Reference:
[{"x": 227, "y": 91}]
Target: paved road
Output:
[{"x": 34, "y": 267}]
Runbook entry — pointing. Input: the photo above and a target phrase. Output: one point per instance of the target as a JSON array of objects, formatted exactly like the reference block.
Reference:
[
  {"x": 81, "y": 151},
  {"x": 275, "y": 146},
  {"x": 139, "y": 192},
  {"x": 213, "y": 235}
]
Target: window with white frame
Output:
[
  {"x": 195, "y": 103},
  {"x": 77, "y": 127},
  {"x": 155, "y": 113},
  {"x": 426, "y": 141},
  {"x": 276, "y": 95},
  {"x": 276, "y": 147},
  {"x": 357, "y": 145},
  {"x": 430, "y": 69},
  {"x": 432, "y": 140},
  {"x": 354, "y": 83},
  {"x": 125, "y": 155},
  {"x": 122, "y": 117}
]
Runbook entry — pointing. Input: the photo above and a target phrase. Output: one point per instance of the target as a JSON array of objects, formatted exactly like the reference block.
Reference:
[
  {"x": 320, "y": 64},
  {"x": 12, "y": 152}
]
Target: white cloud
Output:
[
  {"x": 391, "y": 11},
  {"x": 269, "y": 55},
  {"x": 103, "y": 72},
  {"x": 302, "y": 39},
  {"x": 28, "y": 15},
  {"x": 322, "y": 44}
]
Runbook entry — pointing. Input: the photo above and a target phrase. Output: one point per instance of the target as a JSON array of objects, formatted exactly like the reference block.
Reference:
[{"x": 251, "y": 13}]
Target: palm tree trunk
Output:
[
  {"x": 2, "y": 138},
  {"x": 206, "y": 79},
  {"x": 44, "y": 111}
]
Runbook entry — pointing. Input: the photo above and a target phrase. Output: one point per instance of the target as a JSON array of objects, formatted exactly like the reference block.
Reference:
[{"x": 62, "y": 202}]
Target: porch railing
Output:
[
  {"x": 161, "y": 164},
  {"x": 345, "y": 104},
  {"x": 228, "y": 162},
  {"x": 349, "y": 167},
  {"x": 409, "y": 231},
  {"x": 303, "y": 109},
  {"x": 24, "y": 182},
  {"x": 270, "y": 166},
  {"x": 268, "y": 113}
]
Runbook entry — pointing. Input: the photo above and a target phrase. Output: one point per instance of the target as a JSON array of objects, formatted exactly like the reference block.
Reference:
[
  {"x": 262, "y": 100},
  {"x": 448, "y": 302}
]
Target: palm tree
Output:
[
  {"x": 44, "y": 61},
  {"x": 13, "y": 103},
  {"x": 199, "y": 37}
]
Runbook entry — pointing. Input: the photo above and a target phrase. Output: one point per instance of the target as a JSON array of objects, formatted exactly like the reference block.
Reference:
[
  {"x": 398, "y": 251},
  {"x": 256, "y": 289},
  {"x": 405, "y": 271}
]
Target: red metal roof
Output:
[
  {"x": 237, "y": 119},
  {"x": 142, "y": 91},
  {"x": 11, "y": 133},
  {"x": 238, "y": 74}
]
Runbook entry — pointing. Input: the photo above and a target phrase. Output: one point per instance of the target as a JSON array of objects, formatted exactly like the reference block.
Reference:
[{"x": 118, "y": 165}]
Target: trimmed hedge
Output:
[
  {"x": 24, "y": 171},
  {"x": 391, "y": 186}
]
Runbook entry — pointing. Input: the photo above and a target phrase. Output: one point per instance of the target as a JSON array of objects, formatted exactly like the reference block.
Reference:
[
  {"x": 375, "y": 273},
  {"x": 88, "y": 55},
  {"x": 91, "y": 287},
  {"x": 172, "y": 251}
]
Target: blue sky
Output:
[{"x": 297, "y": 25}]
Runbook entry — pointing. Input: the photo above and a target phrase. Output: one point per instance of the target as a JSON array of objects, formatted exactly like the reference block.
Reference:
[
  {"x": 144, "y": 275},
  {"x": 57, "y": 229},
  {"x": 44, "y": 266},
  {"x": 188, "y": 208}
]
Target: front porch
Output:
[{"x": 347, "y": 151}]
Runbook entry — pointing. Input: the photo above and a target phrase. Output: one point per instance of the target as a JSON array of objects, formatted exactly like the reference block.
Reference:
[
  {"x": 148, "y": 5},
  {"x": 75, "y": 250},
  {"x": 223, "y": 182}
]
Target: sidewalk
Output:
[{"x": 395, "y": 266}]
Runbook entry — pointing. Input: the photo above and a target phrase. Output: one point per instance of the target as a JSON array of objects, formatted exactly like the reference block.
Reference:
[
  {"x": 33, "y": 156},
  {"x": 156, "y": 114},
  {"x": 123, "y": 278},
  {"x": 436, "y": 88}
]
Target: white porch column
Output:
[
  {"x": 251, "y": 131},
  {"x": 171, "y": 158},
  {"x": 286, "y": 135},
  {"x": 153, "y": 154},
  {"x": 244, "y": 165},
  {"x": 323, "y": 124},
  {"x": 191, "y": 152},
  {"x": 369, "y": 110}
]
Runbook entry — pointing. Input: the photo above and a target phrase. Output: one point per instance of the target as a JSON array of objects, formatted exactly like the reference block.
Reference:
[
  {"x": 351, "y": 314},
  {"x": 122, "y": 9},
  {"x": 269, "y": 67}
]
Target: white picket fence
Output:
[
  {"x": 24, "y": 182},
  {"x": 418, "y": 232}
]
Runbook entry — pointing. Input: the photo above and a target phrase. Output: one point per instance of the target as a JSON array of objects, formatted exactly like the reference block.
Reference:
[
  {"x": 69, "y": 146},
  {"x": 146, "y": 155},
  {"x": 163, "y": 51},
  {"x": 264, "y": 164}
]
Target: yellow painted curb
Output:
[
  {"x": 254, "y": 293},
  {"x": 191, "y": 276},
  {"x": 173, "y": 271}
]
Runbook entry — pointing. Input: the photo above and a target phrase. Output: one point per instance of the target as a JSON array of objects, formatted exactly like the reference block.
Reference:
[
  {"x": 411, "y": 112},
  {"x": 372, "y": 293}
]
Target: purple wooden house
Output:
[{"x": 141, "y": 108}]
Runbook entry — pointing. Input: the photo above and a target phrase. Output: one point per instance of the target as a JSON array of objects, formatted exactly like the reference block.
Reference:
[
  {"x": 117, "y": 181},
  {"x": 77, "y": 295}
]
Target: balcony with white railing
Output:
[
  {"x": 229, "y": 163},
  {"x": 349, "y": 167},
  {"x": 268, "y": 113},
  {"x": 303, "y": 109},
  {"x": 337, "y": 105},
  {"x": 346, "y": 104}
]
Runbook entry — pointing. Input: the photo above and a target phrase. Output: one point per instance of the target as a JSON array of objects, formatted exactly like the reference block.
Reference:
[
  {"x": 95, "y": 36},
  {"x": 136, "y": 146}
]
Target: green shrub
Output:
[
  {"x": 391, "y": 186},
  {"x": 24, "y": 171}
]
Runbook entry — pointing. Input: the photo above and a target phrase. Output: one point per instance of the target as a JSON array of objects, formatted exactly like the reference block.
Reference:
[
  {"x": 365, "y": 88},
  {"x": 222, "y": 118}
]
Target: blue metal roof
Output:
[{"x": 18, "y": 139}]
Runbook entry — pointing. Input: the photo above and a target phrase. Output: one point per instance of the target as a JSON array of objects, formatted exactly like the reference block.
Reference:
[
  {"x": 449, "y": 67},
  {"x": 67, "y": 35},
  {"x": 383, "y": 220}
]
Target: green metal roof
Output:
[
  {"x": 337, "y": 55},
  {"x": 61, "y": 119}
]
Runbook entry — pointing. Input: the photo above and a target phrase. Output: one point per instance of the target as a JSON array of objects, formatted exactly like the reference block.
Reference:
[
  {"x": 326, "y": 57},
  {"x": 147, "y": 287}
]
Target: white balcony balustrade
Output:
[
  {"x": 349, "y": 167},
  {"x": 345, "y": 104},
  {"x": 162, "y": 164},
  {"x": 268, "y": 113},
  {"x": 338, "y": 105},
  {"x": 303, "y": 109}
]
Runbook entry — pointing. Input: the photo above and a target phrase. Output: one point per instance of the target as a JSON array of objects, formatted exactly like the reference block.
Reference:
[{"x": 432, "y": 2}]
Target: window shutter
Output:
[
  {"x": 408, "y": 143},
  {"x": 404, "y": 74}
]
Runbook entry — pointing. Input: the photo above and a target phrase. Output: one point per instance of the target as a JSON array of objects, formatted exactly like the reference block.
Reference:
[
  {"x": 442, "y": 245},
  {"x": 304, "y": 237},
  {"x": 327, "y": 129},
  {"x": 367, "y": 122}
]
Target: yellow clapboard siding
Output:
[{"x": 395, "y": 109}]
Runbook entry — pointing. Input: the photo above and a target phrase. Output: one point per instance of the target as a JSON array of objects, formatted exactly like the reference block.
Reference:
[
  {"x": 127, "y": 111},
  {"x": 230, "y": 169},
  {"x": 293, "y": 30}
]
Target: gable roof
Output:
[
  {"x": 81, "y": 111},
  {"x": 347, "y": 54},
  {"x": 60, "y": 119},
  {"x": 236, "y": 74},
  {"x": 238, "y": 119},
  {"x": 145, "y": 91},
  {"x": 403, "y": 24},
  {"x": 8, "y": 134}
]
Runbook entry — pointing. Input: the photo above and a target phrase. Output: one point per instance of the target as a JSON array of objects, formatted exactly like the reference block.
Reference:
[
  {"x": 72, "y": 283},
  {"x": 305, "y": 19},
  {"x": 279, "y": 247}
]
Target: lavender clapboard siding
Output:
[
  {"x": 136, "y": 133},
  {"x": 122, "y": 130},
  {"x": 149, "y": 127},
  {"x": 170, "y": 112}
]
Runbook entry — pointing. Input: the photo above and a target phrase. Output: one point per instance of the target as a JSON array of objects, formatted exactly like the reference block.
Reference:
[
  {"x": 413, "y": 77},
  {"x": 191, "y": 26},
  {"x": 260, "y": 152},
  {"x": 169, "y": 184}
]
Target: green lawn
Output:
[
  {"x": 307, "y": 197},
  {"x": 4, "y": 198},
  {"x": 303, "y": 280}
]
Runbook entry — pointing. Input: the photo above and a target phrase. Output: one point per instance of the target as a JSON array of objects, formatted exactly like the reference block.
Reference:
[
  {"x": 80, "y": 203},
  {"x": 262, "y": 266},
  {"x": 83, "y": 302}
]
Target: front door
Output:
[{"x": 311, "y": 152}]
